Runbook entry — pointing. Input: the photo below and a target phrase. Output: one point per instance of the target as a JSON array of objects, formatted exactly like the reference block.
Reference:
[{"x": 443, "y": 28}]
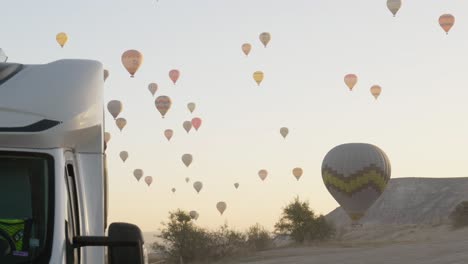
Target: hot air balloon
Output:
[
  {"x": 107, "y": 137},
  {"x": 121, "y": 123},
  {"x": 284, "y": 131},
  {"x": 263, "y": 174},
  {"x": 350, "y": 80},
  {"x": 191, "y": 107},
  {"x": 236, "y": 185},
  {"x": 356, "y": 175},
  {"x": 61, "y": 38},
  {"x": 375, "y": 91},
  {"x": 132, "y": 60},
  {"x": 148, "y": 180},
  {"x": 114, "y": 107},
  {"x": 297, "y": 172},
  {"x": 196, "y": 123},
  {"x": 221, "y": 206},
  {"x": 246, "y": 48},
  {"x": 152, "y": 87},
  {"x": 123, "y": 155},
  {"x": 163, "y": 104},
  {"x": 168, "y": 133},
  {"x": 394, "y": 6},
  {"x": 197, "y": 186},
  {"x": 193, "y": 215},
  {"x": 187, "y": 159},
  {"x": 187, "y": 126},
  {"x": 446, "y": 21},
  {"x": 174, "y": 75},
  {"x": 106, "y": 74},
  {"x": 258, "y": 77},
  {"x": 265, "y": 37},
  {"x": 138, "y": 173},
  {"x": 173, "y": 190},
  {"x": 187, "y": 179}
]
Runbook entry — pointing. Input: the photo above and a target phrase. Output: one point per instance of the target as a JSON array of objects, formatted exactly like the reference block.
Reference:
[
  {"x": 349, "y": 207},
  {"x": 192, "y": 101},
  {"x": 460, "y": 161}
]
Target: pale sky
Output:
[{"x": 420, "y": 119}]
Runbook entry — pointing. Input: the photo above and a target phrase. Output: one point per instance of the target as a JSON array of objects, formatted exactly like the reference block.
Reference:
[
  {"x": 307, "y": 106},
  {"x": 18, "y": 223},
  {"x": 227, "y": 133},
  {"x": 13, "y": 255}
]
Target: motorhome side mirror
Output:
[{"x": 123, "y": 232}]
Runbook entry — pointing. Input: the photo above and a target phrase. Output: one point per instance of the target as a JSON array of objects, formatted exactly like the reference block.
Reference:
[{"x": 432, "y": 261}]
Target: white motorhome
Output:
[{"x": 53, "y": 183}]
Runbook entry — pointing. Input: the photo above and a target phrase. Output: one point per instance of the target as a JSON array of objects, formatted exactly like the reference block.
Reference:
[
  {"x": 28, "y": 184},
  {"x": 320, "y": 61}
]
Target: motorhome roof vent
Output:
[{"x": 8, "y": 70}]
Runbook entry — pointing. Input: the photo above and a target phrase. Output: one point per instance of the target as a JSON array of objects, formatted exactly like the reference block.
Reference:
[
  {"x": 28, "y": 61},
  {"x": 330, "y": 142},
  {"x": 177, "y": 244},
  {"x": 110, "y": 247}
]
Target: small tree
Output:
[
  {"x": 301, "y": 223},
  {"x": 258, "y": 238},
  {"x": 459, "y": 215}
]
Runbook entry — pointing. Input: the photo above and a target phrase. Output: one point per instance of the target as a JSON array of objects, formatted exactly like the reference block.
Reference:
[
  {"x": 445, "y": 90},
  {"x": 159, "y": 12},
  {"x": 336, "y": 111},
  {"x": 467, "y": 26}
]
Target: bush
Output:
[
  {"x": 301, "y": 223},
  {"x": 459, "y": 215},
  {"x": 258, "y": 238}
]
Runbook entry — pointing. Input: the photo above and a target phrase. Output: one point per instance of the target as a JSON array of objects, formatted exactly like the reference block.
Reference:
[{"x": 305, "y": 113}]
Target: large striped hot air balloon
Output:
[{"x": 356, "y": 174}]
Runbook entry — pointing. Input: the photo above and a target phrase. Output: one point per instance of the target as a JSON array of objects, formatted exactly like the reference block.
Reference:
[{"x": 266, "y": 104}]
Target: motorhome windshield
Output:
[{"x": 25, "y": 204}]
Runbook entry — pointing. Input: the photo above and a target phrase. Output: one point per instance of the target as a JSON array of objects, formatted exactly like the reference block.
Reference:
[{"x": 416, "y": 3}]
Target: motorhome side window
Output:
[
  {"x": 73, "y": 230},
  {"x": 25, "y": 206}
]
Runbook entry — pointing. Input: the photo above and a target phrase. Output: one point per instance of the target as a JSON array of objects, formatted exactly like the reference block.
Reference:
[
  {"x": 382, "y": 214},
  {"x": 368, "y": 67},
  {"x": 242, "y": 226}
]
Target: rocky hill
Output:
[{"x": 411, "y": 201}]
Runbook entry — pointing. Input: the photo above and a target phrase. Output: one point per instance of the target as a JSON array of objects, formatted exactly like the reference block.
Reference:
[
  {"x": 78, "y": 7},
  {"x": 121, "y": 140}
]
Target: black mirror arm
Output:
[{"x": 98, "y": 241}]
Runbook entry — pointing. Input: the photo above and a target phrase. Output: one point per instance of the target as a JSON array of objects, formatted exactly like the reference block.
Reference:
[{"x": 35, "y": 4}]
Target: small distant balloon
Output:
[
  {"x": 107, "y": 137},
  {"x": 132, "y": 60},
  {"x": 284, "y": 131},
  {"x": 123, "y": 155},
  {"x": 115, "y": 108},
  {"x": 163, "y": 104},
  {"x": 61, "y": 38},
  {"x": 258, "y": 77},
  {"x": 153, "y": 87},
  {"x": 174, "y": 75},
  {"x": 173, "y": 190},
  {"x": 236, "y": 185},
  {"x": 394, "y": 6},
  {"x": 297, "y": 172},
  {"x": 187, "y": 126},
  {"x": 187, "y": 179},
  {"x": 148, "y": 180},
  {"x": 262, "y": 174},
  {"x": 168, "y": 133},
  {"x": 246, "y": 48},
  {"x": 138, "y": 173},
  {"x": 446, "y": 21},
  {"x": 187, "y": 159},
  {"x": 265, "y": 38},
  {"x": 198, "y": 186},
  {"x": 106, "y": 74},
  {"x": 196, "y": 123},
  {"x": 193, "y": 215},
  {"x": 121, "y": 123},
  {"x": 375, "y": 91},
  {"x": 191, "y": 107},
  {"x": 221, "y": 206},
  {"x": 350, "y": 80}
]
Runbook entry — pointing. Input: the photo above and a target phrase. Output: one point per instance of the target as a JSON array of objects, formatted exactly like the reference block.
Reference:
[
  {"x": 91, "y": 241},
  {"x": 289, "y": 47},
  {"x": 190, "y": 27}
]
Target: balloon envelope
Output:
[
  {"x": 196, "y": 123},
  {"x": 107, "y": 137},
  {"x": 132, "y": 60},
  {"x": 61, "y": 38},
  {"x": 163, "y": 104},
  {"x": 446, "y": 21},
  {"x": 168, "y": 133},
  {"x": 152, "y": 87},
  {"x": 187, "y": 159},
  {"x": 263, "y": 174},
  {"x": 173, "y": 190},
  {"x": 394, "y": 6},
  {"x": 375, "y": 91},
  {"x": 265, "y": 38},
  {"x": 123, "y": 155},
  {"x": 174, "y": 75},
  {"x": 221, "y": 206},
  {"x": 138, "y": 173},
  {"x": 246, "y": 48},
  {"x": 198, "y": 186},
  {"x": 187, "y": 126},
  {"x": 193, "y": 215},
  {"x": 114, "y": 107},
  {"x": 350, "y": 81},
  {"x": 236, "y": 185},
  {"x": 356, "y": 175},
  {"x": 297, "y": 172},
  {"x": 258, "y": 77},
  {"x": 284, "y": 131},
  {"x": 121, "y": 123},
  {"x": 187, "y": 180},
  {"x": 191, "y": 107},
  {"x": 148, "y": 180},
  {"x": 106, "y": 74}
]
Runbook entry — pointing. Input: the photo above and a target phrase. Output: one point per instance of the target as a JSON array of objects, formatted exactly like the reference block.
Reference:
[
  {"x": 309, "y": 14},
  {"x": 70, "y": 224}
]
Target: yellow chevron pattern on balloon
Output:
[{"x": 371, "y": 176}]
